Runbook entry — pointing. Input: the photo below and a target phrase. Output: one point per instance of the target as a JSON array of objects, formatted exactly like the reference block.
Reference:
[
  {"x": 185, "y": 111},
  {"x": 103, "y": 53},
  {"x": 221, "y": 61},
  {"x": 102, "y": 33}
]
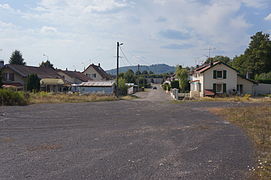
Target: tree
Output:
[
  {"x": 145, "y": 72},
  {"x": 223, "y": 59},
  {"x": 47, "y": 64},
  {"x": 182, "y": 75},
  {"x": 129, "y": 76},
  {"x": 150, "y": 72},
  {"x": 1, "y": 83},
  {"x": 138, "y": 73},
  {"x": 122, "y": 89},
  {"x": 17, "y": 58},
  {"x": 33, "y": 82},
  {"x": 257, "y": 57}
]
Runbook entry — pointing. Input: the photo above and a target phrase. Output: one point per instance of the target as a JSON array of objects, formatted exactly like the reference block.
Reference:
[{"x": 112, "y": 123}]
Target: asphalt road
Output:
[{"x": 148, "y": 138}]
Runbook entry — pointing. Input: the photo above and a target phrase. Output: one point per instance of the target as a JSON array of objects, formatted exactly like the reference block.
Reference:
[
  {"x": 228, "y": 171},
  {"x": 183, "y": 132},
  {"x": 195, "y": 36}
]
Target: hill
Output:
[{"x": 156, "y": 68}]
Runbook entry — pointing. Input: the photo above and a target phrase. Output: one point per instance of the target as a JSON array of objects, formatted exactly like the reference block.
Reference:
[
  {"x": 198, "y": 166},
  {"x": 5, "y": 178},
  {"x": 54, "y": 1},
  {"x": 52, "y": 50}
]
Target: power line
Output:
[{"x": 125, "y": 57}]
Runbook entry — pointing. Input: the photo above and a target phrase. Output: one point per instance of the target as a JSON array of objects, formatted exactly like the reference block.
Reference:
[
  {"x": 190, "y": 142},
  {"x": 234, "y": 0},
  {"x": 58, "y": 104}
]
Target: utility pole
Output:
[
  {"x": 117, "y": 89},
  {"x": 138, "y": 67}
]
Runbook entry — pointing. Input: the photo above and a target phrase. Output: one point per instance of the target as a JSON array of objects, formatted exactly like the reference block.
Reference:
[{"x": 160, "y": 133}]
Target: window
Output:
[
  {"x": 11, "y": 76},
  {"x": 94, "y": 75},
  {"x": 240, "y": 88},
  {"x": 219, "y": 74},
  {"x": 220, "y": 88},
  {"x": 5, "y": 76}
]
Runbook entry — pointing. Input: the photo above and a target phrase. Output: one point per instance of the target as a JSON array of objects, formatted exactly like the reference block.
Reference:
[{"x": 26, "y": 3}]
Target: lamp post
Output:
[{"x": 117, "y": 89}]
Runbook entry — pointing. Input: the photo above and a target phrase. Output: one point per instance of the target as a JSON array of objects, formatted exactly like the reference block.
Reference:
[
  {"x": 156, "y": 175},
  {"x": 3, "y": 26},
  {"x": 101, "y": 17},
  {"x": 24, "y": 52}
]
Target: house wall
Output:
[
  {"x": 17, "y": 77},
  {"x": 248, "y": 87},
  {"x": 66, "y": 77},
  {"x": 95, "y": 90},
  {"x": 262, "y": 89},
  {"x": 194, "y": 87},
  {"x": 90, "y": 71},
  {"x": 231, "y": 79}
]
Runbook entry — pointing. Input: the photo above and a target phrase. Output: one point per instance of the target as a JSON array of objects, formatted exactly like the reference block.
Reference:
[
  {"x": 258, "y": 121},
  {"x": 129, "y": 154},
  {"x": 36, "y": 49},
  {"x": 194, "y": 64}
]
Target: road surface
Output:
[{"x": 147, "y": 138}]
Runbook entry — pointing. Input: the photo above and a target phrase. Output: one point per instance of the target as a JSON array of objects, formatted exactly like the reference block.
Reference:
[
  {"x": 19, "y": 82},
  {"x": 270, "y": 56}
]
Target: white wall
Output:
[
  {"x": 248, "y": 87},
  {"x": 263, "y": 89},
  {"x": 230, "y": 81},
  {"x": 90, "y": 71}
]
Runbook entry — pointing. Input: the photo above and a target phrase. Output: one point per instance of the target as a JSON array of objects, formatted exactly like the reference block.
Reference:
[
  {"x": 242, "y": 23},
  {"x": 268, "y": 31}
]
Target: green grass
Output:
[{"x": 256, "y": 121}]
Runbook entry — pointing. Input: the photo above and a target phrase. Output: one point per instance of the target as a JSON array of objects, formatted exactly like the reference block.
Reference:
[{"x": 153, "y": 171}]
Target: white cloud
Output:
[
  {"x": 48, "y": 30},
  {"x": 268, "y": 18}
]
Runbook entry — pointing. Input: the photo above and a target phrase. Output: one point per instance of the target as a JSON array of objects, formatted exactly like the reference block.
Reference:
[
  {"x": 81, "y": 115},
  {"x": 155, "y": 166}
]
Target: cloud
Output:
[
  {"x": 161, "y": 19},
  {"x": 48, "y": 30},
  {"x": 268, "y": 18},
  {"x": 177, "y": 46},
  {"x": 173, "y": 34}
]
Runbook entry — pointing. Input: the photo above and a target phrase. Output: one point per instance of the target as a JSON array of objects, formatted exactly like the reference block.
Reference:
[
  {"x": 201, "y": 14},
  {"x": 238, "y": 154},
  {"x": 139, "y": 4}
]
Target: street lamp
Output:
[{"x": 118, "y": 46}]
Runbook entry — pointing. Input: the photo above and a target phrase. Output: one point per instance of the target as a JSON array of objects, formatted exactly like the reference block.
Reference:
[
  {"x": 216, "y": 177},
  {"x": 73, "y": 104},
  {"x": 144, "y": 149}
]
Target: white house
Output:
[
  {"x": 219, "y": 78},
  {"x": 96, "y": 73}
]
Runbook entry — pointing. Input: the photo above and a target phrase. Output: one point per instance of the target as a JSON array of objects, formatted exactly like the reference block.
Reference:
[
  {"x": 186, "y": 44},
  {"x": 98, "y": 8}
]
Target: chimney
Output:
[
  {"x": 99, "y": 65},
  {"x": 247, "y": 75},
  {"x": 1, "y": 64},
  {"x": 66, "y": 69}
]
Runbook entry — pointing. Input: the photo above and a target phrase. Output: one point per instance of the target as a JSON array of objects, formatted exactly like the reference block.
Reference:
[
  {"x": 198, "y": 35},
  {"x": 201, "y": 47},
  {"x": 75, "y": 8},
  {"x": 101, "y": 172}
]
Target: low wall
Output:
[{"x": 262, "y": 89}]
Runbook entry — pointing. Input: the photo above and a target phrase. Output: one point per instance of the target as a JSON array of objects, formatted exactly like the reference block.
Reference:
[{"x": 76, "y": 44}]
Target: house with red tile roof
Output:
[{"x": 219, "y": 78}]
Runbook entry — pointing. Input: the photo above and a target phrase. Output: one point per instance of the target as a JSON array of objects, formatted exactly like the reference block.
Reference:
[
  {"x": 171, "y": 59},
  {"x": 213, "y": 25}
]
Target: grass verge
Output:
[
  {"x": 44, "y": 98},
  {"x": 237, "y": 99},
  {"x": 256, "y": 121}
]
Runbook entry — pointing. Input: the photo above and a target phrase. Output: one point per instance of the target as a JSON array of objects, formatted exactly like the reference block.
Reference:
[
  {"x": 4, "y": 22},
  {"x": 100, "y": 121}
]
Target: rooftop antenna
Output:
[{"x": 209, "y": 50}]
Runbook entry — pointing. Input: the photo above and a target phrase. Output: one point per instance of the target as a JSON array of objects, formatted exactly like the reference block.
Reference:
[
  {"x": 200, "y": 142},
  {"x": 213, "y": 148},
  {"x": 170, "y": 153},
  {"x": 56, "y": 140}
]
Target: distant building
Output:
[
  {"x": 73, "y": 77},
  {"x": 95, "y": 87},
  {"x": 96, "y": 73}
]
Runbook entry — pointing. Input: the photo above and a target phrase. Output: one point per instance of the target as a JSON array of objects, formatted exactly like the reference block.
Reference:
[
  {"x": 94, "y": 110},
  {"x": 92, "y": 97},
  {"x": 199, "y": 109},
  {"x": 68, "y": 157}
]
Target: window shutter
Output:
[
  {"x": 214, "y": 88},
  {"x": 214, "y": 74},
  {"x": 224, "y": 88},
  {"x": 224, "y": 74}
]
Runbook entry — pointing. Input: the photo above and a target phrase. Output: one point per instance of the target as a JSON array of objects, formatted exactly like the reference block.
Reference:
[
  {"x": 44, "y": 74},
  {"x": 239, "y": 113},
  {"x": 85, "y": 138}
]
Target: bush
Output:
[
  {"x": 12, "y": 98},
  {"x": 175, "y": 84},
  {"x": 166, "y": 87}
]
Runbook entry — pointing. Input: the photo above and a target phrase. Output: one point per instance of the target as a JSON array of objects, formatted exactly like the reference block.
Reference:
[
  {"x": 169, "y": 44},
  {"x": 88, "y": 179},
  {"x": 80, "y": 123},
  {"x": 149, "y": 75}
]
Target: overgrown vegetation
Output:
[
  {"x": 256, "y": 121},
  {"x": 182, "y": 75},
  {"x": 13, "y": 98},
  {"x": 44, "y": 98},
  {"x": 245, "y": 98}
]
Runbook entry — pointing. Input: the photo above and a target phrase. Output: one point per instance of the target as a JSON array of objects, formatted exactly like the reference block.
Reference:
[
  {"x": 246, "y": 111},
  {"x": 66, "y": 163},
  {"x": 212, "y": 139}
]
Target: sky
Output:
[{"x": 74, "y": 33}]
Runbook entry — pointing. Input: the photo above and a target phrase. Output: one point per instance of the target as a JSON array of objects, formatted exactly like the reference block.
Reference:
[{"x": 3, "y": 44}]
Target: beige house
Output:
[
  {"x": 217, "y": 79},
  {"x": 96, "y": 73},
  {"x": 73, "y": 77},
  {"x": 15, "y": 76}
]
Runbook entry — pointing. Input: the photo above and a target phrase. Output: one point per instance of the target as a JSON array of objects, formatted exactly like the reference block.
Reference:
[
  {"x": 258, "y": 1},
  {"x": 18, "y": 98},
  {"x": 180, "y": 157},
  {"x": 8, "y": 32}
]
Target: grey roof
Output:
[
  {"x": 97, "y": 84},
  {"x": 42, "y": 72},
  {"x": 77, "y": 75}
]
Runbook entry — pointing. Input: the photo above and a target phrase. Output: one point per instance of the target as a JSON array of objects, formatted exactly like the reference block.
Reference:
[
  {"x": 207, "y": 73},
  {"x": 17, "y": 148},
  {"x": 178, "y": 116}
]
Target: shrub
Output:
[{"x": 12, "y": 98}]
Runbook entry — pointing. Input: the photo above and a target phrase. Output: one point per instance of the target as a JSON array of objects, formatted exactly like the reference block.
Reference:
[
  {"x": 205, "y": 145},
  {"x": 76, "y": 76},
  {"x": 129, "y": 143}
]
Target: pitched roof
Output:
[
  {"x": 205, "y": 67},
  {"x": 254, "y": 82},
  {"x": 77, "y": 75},
  {"x": 42, "y": 72},
  {"x": 97, "y": 84},
  {"x": 99, "y": 70}
]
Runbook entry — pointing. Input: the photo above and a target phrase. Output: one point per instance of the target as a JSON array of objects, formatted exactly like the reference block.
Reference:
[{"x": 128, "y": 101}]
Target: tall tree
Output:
[
  {"x": 129, "y": 76},
  {"x": 257, "y": 57},
  {"x": 46, "y": 64},
  {"x": 223, "y": 59},
  {"x": 182, "y": 75},
  {"x": 17, "y": 58}
]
